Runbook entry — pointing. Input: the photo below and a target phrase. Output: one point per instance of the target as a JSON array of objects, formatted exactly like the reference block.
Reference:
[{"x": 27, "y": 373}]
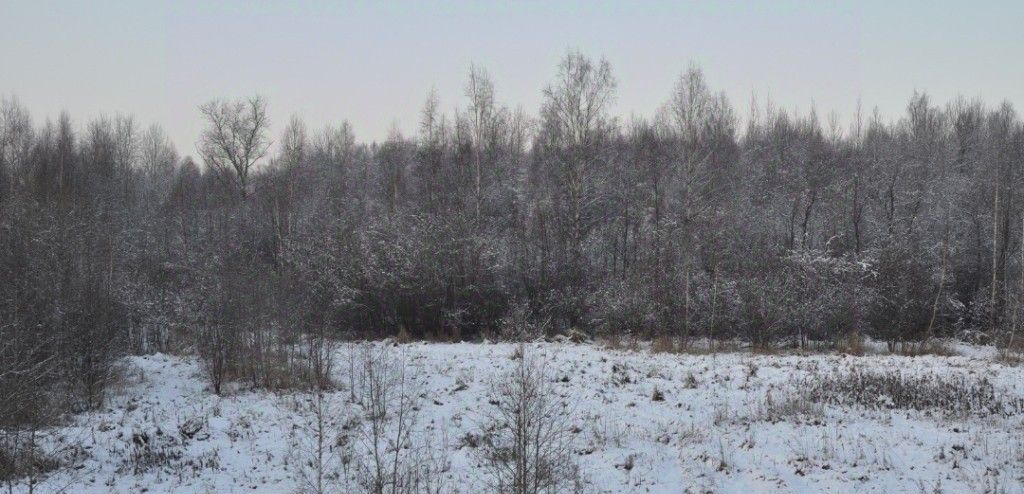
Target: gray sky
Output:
[{"x": 373, "y": 63}]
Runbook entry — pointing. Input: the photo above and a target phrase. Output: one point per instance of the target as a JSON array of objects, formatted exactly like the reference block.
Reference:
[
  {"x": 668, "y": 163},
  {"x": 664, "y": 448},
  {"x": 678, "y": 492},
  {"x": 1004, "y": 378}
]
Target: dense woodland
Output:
[{"x": 698, "y": 223}]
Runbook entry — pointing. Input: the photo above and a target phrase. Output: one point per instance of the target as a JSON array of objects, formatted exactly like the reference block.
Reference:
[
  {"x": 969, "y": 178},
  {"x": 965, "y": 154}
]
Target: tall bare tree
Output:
[
  {"x": 480, "y": 91},
  {"x": 235, "y": 139},
  {"x": 574, "y": 116}
]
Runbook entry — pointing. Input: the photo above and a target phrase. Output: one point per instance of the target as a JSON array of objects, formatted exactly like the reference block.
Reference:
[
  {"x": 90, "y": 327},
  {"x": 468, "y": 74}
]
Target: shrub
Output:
[{"x": 527, "y": 439}]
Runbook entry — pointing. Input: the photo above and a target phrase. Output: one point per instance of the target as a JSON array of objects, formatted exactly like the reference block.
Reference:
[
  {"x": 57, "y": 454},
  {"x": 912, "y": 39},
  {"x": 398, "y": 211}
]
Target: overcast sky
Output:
[{"x": 373, "y": 63}]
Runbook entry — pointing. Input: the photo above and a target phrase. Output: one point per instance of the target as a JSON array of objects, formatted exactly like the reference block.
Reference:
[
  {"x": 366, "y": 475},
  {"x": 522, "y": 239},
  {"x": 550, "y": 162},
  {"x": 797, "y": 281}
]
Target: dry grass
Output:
[
  {"x": 22, "y": 460},
  {"x": 1007, "y": 356},
  {"x": 663, "y": 344},
  {"x": 1011, "y": 351},
  {"x": 953, "y": 395},
  {"x": 928, "y": 347},
  {"x": 851, "y": 344},
  {"x": 403, "y": 336},
  {"x": 789, "y": 405},
  {"x": 765, "y": 349}
]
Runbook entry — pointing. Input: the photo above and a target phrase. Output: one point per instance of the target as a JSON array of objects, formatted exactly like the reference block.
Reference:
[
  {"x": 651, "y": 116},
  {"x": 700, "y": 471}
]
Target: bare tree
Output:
[
  {"x": 235, "y": 139},
  {"x": 294, "y": 143},
  {"x": 480, "y": 91},
  {"x": 158, "y": 158},
  {"x": 321, "y": 418},
  {"x": 16, "y": 136},
  {"x": 396, "y": 457},
  {"x": 574, "y": 115},
  {"x": 527, "y": 437}
]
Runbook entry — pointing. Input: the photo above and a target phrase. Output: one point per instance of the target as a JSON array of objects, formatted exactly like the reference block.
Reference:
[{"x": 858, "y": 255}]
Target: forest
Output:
[{"x": 698, "y": 225}]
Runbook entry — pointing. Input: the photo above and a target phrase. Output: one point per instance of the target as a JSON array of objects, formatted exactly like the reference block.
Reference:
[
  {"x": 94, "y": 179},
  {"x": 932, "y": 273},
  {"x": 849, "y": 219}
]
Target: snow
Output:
[{"x": 708, "y": 434}]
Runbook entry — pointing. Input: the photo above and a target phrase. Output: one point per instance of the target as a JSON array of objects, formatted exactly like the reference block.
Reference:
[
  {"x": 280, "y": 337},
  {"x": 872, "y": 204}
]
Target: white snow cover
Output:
[{"x": 708, "y": 434}]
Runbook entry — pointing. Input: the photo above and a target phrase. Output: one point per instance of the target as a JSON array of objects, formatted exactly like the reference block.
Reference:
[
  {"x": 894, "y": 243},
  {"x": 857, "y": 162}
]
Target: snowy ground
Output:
[{"x": 723, "y": 425}]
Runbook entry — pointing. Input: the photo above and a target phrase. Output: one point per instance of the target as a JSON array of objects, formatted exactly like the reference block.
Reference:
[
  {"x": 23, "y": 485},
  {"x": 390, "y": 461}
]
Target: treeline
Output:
[{"x": 776, "y": 229}]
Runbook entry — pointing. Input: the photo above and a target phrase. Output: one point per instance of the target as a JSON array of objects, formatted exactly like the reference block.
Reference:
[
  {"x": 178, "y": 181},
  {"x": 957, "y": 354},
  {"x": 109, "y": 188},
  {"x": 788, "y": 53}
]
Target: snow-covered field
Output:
[{"x": 731, "y": 422}]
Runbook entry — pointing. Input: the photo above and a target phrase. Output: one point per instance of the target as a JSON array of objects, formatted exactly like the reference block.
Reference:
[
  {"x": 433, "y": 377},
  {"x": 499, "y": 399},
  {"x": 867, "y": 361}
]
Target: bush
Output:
[
  {"x": 21, "y": 460},
  {"x": 395, "y": 456},
  {"x": 904, "y": 292},
  {"x": 527, "y": 439}
]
